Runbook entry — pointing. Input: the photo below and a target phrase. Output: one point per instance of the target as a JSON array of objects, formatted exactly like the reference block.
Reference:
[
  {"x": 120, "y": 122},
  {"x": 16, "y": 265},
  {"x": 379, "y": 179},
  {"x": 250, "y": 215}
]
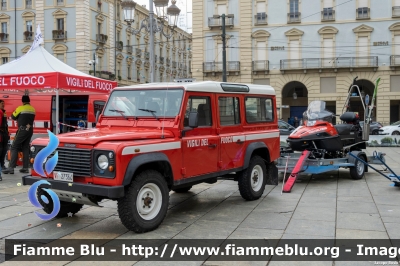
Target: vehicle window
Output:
[
  {"x": 259, "y": 109},
  {"x": 144, "y": 103},
  {"x": 98, "y": 106},
  {"x": 202, "y": 106},
  {"x": 229, "y": 112},
  {"x": 283, "y": 125}
]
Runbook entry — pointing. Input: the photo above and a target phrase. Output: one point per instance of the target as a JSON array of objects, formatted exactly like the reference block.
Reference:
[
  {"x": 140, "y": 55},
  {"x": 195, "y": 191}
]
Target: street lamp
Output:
[{"x": 166, "y": 15}]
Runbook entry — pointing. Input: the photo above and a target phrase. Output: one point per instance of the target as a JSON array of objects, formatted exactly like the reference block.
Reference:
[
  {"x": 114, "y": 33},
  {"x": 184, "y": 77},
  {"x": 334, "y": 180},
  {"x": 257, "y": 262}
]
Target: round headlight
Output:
[
  {"x": 102, "y": 162},
  {"x": 33, "y": 148},
  {"x": 110, "y": 155}
]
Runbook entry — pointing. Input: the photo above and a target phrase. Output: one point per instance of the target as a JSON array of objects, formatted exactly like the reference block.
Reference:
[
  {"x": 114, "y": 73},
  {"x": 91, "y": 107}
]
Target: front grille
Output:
[{"x": 77, "y": 161}]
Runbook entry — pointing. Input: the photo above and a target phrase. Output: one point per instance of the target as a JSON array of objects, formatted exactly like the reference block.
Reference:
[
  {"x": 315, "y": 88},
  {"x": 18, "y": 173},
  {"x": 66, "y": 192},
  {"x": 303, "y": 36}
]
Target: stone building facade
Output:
[
  {"x": 74, "y": 30},
  {"x": 305, "y": 49}
]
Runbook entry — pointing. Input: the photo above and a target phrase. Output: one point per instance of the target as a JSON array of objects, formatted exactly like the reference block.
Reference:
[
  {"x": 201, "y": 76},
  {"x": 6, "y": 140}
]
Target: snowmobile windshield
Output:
[{"x": 317, "y": 111}]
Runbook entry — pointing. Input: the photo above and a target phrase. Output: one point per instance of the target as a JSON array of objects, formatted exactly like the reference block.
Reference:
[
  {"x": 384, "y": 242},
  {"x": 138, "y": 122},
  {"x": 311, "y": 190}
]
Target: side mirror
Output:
[
  {"x": 193, "y": 119},
  {"x": 97, "y": 116}
]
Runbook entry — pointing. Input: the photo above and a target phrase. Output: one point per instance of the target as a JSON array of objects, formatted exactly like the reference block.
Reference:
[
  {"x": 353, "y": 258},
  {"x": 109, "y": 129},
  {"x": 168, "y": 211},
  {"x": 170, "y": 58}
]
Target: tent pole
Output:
[{"x": 57, "y": 111}]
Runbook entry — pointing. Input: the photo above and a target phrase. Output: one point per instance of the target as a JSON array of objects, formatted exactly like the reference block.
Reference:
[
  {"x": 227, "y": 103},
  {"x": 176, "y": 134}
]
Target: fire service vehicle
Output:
[{"x": 154, "y": 138}]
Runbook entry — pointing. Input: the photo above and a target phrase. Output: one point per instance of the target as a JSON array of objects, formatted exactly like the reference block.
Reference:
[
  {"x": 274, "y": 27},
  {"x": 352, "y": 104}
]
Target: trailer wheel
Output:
[
  {"x": 65, "y": 207},
  {"x": 145, "y": 204},
  {"x": 182, "y": 189},
  {"x": 252, "y": 181},
  {"x": 357, "y": 171}
]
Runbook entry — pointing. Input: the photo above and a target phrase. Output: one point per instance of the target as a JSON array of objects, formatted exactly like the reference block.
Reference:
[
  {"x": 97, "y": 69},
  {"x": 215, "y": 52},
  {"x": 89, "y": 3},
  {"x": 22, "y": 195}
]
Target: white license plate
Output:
[{"x": 63, "y": 176}]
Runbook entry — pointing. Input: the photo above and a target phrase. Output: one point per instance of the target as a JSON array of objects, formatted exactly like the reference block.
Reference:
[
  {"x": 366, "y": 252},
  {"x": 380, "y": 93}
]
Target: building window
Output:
[
  {"x": 229, "y": 111},
  {"x": 294, "y": 14},
  {"x": 28, "y": 3},
  {"x": 129, "y": 72},
  {"x": 60, "y": 2},
  {"x": 98, "y": 28},
  {"x": 4, "y": 27},
  {"x": 60, "y": 57},
  {"x": 118, "y": 11},
  {"x": 4, "y": 60},
  {"x": 396, "y": 9},
  {"x": 3, "y": 5},
  {"x": 29, "y": 25},
  {"x": 60, "y": 24}
]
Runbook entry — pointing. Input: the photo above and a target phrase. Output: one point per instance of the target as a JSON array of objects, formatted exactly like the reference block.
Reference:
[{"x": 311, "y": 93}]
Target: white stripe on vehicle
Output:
[
  {"x": 238, "y": 138},
  {"x": 151, "y": 148},
  {"x": 10, "y": 123},
  {"x": 262, "y": 136},
  {"x": 38, "y": 124}
]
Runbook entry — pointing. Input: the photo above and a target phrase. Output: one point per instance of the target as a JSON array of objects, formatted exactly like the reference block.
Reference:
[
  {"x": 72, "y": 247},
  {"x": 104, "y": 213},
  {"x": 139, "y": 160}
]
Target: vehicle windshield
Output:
[
  {"x": 144, "y": 103},
  {"x": 317, "y": 111},
  {"x": 396, "y": 123}
]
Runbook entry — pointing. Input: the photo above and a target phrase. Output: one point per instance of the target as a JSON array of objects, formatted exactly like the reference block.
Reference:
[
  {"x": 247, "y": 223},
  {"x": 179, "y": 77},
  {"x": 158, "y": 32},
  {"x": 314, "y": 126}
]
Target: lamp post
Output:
[{"x": 151, "y": 25}]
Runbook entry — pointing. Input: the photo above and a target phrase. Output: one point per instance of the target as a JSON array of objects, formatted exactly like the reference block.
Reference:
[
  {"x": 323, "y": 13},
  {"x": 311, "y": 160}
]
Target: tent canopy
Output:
[{"x": 40, "y": 71}]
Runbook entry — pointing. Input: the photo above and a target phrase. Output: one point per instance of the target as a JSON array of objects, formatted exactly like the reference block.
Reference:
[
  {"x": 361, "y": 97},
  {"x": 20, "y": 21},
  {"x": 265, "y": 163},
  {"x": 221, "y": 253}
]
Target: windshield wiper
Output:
[
  {"x": 120, "y": 112},
  {"x": 150, "y": 111}
]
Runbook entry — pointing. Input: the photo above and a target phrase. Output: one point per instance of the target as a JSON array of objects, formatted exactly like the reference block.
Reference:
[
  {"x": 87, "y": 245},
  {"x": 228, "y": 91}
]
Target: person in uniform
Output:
[
  {"x": 4, "y": 135},
  {"x": 25, "y": 115}
]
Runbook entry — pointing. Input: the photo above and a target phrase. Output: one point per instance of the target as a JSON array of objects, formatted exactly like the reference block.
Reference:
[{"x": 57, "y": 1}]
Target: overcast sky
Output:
[{"x": 185, "y": 18}]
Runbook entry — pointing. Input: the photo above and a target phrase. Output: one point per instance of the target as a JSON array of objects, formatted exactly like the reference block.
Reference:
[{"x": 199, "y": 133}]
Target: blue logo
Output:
[{"x": 49, "y": 166}]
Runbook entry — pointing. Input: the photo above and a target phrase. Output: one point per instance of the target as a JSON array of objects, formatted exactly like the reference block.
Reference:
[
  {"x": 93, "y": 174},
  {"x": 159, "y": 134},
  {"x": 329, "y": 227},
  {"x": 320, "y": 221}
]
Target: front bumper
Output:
[{"x": 114, "y": 192}]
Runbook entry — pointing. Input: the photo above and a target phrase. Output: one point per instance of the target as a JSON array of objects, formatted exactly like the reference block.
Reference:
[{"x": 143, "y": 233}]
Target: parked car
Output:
[
  {"x": 373, "y": 127},
  {"x": 285, "y": 128},
  {"x": 393, "y": 129}
]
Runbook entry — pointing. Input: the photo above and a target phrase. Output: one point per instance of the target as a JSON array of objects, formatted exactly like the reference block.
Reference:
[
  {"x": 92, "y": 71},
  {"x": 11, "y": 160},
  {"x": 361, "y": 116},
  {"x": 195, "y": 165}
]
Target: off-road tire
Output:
[
  {"x": 395, "y": 133},
  {"x": 65, "y": 207},
  {"x": 249, "y": 188},
  {"x": 148, "y": 180},
  {"x": 357, "y": 172},
  {"x": 182, "y": 189}
]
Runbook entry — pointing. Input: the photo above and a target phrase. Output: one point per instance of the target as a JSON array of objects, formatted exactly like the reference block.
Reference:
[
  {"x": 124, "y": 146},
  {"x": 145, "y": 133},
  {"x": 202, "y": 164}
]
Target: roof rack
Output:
[{"x": 185, "y": 80}]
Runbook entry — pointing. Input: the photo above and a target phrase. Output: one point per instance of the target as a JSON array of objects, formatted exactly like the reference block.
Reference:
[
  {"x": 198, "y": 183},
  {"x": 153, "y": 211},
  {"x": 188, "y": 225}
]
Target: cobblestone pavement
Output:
[{"x": 330, "y": 205}]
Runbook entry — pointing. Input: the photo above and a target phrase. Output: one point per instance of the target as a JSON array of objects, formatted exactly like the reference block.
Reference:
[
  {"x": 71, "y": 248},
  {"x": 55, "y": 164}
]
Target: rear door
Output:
[
  {"x": 200, "y": 146},
  {"x": 230, "y": 131}
]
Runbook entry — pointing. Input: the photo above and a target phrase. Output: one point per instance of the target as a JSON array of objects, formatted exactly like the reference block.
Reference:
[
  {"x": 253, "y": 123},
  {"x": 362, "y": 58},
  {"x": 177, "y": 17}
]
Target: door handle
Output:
[{"x": 212, "y": 145}]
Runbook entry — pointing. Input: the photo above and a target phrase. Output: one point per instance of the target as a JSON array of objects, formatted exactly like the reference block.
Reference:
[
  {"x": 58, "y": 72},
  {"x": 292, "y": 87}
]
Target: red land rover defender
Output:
[{"x": 154, "y": 138}]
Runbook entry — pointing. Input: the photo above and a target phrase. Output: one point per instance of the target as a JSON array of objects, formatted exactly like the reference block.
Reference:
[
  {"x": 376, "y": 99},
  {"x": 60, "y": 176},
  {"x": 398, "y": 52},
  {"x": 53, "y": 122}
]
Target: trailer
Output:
[{"x": 306, "y": 163}]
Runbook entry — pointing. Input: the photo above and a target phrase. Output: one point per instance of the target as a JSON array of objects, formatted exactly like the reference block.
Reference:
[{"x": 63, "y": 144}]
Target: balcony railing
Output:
[
  {"x": 28, "y": 4},
  {"x": 328, "y": 15},
  {"x": 294, "y": 17},
  {"x": 333, "y": 63},
  {"x": 3, "y": 5},
  {"x": 28, "y": 36},
  {"x": 168, "y": 62},
  {"x": 101, "y": 38},
  {"x": 174, "y": 64},
  {"x": 260, "y": 19},
  {"x": 161, "y": 60},
  {"x": 146, "y": 55},
  {"x": 129, "y": 49},
  {"x": 395, "y": 60},
  {"x": 260, "y": 65},
  {"x": 155, "y": 58},
  {"x": 59, "y": 34},
  {"x": 396, "y": 11},
  {"x": 60, "y": 2},
  {"x": 138, "y": 52},
  {"x": 231, "y": 66},
  {"x": 363, "y": 13},
  {"x": 217, "y": 22},
  {"x": 3, "y": 37}
]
